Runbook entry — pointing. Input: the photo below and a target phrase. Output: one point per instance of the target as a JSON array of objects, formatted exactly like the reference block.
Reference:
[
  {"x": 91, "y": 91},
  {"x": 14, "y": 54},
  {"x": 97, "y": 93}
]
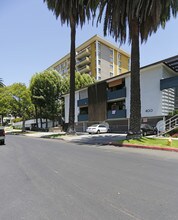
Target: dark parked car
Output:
[
  {"x": 148, "y": 130},
  {"x": 2, "y": 136}
]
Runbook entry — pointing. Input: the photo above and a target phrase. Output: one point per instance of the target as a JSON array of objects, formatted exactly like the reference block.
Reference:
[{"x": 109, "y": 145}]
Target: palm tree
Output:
[
  {"x": 1, "y": 83},
  {"x": 141, "y": 18},
  {"x": 72, "y": 12}
]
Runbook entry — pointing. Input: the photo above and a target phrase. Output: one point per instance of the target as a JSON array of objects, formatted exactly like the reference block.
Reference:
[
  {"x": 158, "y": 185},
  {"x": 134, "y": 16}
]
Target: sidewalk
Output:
[{"x": 100, "y": 139}]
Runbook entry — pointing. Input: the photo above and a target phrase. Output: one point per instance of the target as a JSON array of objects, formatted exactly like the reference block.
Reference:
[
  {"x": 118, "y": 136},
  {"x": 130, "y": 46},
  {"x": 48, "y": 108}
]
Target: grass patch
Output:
[{"x": 150, "y": 142}]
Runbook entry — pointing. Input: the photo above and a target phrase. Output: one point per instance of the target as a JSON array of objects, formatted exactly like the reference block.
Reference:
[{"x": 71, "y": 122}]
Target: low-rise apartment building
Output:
[
  {"x": 109, "y": 100},
  {"x": 97, "y": 57}
]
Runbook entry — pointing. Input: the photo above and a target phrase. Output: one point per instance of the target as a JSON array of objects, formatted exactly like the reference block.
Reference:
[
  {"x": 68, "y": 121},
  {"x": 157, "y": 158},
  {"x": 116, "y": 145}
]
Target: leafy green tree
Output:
[
  {"x": 46, "y": 89},
  {"x": 81, "y": 80},
  {"x": 141, "y": 18},
  {"x": 4, "y": 103},
  {"x": 72, "y": 12},
  {"x": 19, "y": 99}
]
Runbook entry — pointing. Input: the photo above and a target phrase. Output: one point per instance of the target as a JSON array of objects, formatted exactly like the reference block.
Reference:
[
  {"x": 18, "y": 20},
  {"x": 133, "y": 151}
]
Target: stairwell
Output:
[{"x": 169, "y": 125}]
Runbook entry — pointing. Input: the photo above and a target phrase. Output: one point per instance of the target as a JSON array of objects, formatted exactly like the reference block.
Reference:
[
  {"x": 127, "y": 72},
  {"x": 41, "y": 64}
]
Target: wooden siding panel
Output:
[{"x": 97, "y": 97}]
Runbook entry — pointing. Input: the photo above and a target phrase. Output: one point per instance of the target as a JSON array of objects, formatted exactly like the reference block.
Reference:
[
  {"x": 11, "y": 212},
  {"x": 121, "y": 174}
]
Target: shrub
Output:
[{"x": 175, "y": 135}]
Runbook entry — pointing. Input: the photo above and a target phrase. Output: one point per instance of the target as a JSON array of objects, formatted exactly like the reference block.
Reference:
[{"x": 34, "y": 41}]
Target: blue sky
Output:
[{"x": 32, "y": 39}]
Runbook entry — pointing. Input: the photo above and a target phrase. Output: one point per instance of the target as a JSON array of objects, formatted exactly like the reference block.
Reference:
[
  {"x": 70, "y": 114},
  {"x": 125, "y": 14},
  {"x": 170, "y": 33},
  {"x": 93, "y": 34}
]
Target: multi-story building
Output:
[
  {"x": 109, "y": 100},
  {"x": 97, "y": 57}
]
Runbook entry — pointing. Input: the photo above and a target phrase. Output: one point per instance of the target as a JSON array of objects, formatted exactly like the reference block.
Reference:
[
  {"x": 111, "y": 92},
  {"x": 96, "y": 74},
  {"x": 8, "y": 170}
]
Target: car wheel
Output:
[
  {"x": 144, "y": 133},
  {"x": 98, "y": 132},
  {"x": 155, "y": 132}
]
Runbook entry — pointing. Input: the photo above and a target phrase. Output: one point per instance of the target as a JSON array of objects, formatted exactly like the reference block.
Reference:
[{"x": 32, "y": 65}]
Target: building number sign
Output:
[{"x": 149, "y": 110}]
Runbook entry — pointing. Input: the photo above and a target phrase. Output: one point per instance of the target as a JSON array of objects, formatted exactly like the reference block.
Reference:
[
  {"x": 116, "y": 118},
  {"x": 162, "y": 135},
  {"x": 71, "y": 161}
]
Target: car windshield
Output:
[{"x": 95, "y": 125}]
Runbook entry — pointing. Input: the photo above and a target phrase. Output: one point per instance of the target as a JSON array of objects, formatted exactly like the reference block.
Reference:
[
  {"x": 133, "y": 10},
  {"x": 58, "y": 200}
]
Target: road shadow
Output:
[{"x": 100, "y": 139}]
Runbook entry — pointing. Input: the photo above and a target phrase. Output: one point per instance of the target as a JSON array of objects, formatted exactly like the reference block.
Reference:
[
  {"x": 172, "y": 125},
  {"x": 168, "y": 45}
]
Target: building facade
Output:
[
  {"x": 109, "y": 100},
  {"x": 97, "y": 57}
]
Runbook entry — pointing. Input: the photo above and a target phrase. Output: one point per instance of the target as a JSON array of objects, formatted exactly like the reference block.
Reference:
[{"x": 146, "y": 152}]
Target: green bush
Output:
[
  {"x": 175, "y": 135},
  {"x": 173, "y": 132},
  {"x": 17, "y": 120}
]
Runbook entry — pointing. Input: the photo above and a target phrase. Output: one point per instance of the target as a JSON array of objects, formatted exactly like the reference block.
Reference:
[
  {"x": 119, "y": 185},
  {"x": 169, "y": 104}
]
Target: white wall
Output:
[
  {"x": 67, "y": 107},
  {"x": 151, "y": 96},
  {"x": 83, "y": 94}
]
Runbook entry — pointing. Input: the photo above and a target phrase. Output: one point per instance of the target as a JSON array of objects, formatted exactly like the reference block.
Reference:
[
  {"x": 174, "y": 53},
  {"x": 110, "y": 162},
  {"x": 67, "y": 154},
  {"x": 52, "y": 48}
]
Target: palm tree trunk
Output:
[
  {"x": 71, "y": 128},
  {"x": 135, "y": 103}
]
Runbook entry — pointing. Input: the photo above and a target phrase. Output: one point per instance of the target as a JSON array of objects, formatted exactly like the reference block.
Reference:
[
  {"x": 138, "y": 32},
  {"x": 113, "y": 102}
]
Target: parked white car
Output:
[{"x": 97, "y": 129}]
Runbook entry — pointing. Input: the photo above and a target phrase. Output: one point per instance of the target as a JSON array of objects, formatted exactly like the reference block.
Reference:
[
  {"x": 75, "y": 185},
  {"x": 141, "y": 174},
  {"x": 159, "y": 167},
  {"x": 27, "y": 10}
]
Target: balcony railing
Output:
[
  {"x": 82, "y": 62},
  {"x": 82, "y": 117},
  {"x": 84, "y": 69},
  {"x": 83, "y": 53},
  {"x": 121, "y": 93},
  {"x": 82, "y": 102},
  {"x": 116, "y": 114}
]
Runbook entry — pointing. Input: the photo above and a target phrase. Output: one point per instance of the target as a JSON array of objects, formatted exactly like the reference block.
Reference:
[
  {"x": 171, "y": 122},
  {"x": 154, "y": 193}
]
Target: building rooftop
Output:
[{"x": 172, "y": 63}]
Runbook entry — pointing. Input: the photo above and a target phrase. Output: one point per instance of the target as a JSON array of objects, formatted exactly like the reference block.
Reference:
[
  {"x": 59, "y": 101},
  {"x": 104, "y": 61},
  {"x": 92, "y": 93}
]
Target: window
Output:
[
  {"x": 99, "y": 54},
  {"x": 111, "y": 67},
  {"x": 99, "y": 46},
  {"x": 111, "y": 59},
  {"x": 119, "y": 56},
  {"x": 99, "y": 62},
  {"x": 111, "y": 52},
  {"x": 99, "y": 70},
  {"x": 115, "y": 106},
  {"x": 84, "y": 111}
]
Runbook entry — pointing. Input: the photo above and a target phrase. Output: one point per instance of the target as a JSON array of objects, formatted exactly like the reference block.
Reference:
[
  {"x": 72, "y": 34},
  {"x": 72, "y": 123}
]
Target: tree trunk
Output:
[
  {"x": 135, "y": 102},
  {"x": 46, "y": 123},
  {"x": 2, "y": 118},
  {"x": 71, "y": 128},
  {"x": 36, "y": 114},
  {"x": 23, "y": 125},
  {"x": 41, "y": 123}
]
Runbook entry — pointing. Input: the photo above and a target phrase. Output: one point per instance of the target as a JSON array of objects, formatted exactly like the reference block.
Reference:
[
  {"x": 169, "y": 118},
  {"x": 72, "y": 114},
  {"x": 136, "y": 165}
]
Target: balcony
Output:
[
  {"x": 84, "y": 69},
  {"x": 84, "y": 61},
  {"x": 82, "y": 117},
  {"x": 121, "y": 93},
  {"x": 82, "y": 102},
  {"x": 112, "y": 114},
  {"x": 83, "y": 53}
]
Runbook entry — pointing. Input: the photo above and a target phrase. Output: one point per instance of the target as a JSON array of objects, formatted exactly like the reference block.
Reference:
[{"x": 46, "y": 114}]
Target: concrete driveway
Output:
[{"x": 82, "y": 138}]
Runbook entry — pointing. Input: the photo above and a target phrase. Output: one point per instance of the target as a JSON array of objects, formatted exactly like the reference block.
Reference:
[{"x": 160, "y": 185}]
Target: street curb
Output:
[{"x": 144, "y": 147}]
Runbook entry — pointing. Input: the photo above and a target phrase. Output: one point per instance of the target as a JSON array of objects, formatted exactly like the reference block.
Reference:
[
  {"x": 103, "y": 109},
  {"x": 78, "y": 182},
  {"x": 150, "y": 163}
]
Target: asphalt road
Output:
[{"x": 44, "y": 179}]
